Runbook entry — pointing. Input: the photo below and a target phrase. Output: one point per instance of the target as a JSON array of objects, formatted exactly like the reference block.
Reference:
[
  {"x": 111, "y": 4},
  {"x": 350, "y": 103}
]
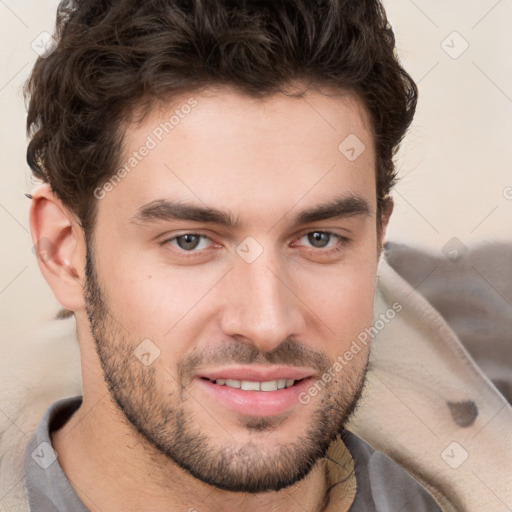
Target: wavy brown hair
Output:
[{"x": 116, "y": 56}]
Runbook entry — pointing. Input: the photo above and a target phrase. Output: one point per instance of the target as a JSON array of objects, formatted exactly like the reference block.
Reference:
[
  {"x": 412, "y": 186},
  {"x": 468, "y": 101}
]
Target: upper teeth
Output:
[{"x": 247, "y": 385}]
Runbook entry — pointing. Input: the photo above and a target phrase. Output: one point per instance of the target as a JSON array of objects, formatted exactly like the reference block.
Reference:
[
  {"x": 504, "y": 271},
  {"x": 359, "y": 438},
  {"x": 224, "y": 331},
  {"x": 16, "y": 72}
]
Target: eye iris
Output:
[
  {"x": 188, "y": 241},
  {"x": 319, "y": 239}
]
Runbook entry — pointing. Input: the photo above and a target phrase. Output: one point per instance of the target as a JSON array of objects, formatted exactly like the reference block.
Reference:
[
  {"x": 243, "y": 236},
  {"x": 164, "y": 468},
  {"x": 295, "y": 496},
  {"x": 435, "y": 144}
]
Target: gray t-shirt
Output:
[{"x": 382, "y": 485}]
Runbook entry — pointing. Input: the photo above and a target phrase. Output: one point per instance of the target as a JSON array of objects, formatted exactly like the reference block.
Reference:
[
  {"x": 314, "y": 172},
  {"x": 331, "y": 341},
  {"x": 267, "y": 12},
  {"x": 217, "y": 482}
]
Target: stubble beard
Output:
[{"x": 166, "y": 420}]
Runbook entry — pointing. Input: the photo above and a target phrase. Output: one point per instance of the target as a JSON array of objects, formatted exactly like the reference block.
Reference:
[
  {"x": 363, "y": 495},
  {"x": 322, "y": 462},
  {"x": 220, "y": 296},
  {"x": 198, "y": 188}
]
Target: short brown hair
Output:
[{"x": 114, "y": 56}]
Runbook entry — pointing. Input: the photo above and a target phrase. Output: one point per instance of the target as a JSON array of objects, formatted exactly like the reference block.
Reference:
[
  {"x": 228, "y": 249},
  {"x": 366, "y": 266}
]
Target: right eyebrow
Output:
[{"x": 163, "y": 210}]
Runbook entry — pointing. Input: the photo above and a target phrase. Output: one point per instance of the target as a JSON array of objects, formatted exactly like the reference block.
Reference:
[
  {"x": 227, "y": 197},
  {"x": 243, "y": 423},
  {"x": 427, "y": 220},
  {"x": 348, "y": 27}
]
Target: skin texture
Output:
[{"x": 148, "y": 435}]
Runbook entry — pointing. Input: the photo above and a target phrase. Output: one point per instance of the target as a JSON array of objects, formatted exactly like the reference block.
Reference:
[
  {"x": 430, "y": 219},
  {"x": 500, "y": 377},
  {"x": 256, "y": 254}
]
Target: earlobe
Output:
[{"x": 59, "y": 247}]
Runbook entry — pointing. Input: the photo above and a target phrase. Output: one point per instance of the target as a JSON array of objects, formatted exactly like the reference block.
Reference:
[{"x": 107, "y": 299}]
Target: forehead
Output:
[{"x": 223, "y": 148}]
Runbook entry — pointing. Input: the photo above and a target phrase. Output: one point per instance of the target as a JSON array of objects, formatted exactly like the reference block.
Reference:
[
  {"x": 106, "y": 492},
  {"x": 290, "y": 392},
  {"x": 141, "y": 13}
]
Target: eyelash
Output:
[{"x": 342, "y": 242}]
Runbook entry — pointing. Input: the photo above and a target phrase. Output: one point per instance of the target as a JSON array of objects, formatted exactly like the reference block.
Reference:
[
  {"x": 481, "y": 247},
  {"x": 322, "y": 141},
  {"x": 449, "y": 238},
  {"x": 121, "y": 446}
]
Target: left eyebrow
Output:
[
  {"x": 338, "y": 208},
  {"x": 166, "y": 210}
]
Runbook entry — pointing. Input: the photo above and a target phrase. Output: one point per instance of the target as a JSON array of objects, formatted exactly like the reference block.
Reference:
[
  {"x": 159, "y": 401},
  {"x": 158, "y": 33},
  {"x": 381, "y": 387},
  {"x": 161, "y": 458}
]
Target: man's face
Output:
[{"x": 270, "y": 282}]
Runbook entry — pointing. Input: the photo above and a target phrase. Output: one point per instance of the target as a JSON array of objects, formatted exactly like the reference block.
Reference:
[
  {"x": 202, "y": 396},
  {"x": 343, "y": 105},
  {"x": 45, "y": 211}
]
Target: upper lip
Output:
[{"x": 258, "y": 374}]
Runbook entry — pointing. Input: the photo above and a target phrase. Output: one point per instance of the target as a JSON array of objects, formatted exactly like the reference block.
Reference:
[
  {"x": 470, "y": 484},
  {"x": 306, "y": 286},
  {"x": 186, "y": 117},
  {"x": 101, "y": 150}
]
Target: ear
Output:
[
  {"x": 59, "y": 245},
  {"x": 387, "y": 210}
]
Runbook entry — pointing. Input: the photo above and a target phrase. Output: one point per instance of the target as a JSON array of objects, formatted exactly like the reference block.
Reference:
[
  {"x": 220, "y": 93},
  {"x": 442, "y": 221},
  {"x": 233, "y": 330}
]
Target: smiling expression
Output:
[{"x": 228, "y": 271}]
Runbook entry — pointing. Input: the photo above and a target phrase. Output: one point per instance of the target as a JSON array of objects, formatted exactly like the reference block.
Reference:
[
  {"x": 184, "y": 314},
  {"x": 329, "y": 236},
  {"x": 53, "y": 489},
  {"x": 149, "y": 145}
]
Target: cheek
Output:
[
  {"x": 341, "y": 299},
  {"x": 149, "y": 297},
  {"x": 346, "y": 305}
]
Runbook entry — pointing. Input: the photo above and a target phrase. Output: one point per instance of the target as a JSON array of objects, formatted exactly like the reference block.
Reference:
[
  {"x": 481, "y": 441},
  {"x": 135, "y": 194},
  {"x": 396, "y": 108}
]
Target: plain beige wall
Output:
[{"x": 455, "y": 165}]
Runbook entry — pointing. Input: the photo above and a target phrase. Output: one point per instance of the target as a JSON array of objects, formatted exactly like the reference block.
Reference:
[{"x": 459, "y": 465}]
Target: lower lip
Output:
[{"x": 256, "y": 403}]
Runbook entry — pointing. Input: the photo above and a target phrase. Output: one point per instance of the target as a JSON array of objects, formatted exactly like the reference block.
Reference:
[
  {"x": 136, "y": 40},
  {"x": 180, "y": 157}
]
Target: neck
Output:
[{"x": 102, "y": 457}]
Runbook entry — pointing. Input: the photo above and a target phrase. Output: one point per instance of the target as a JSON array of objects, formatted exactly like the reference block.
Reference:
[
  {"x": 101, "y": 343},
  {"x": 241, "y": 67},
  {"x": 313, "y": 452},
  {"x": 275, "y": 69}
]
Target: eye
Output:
[
  {"x": 320, "y": 239},
  {"x": 326, "y": 241},
  {"x": 188, "y": 242}
]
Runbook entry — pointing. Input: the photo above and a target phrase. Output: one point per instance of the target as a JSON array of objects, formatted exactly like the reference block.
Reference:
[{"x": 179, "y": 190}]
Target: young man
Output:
[{"x": 216, "y": 193}]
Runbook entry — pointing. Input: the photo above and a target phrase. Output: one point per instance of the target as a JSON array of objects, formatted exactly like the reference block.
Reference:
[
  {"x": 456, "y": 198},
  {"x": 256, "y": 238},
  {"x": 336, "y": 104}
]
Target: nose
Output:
[{"x": 261, "y": 307}]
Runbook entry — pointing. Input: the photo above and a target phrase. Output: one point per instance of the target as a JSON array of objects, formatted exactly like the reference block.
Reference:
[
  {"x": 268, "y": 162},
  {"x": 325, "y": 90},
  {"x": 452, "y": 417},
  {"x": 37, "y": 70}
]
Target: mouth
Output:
[{"x": 252, "y": 391}]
